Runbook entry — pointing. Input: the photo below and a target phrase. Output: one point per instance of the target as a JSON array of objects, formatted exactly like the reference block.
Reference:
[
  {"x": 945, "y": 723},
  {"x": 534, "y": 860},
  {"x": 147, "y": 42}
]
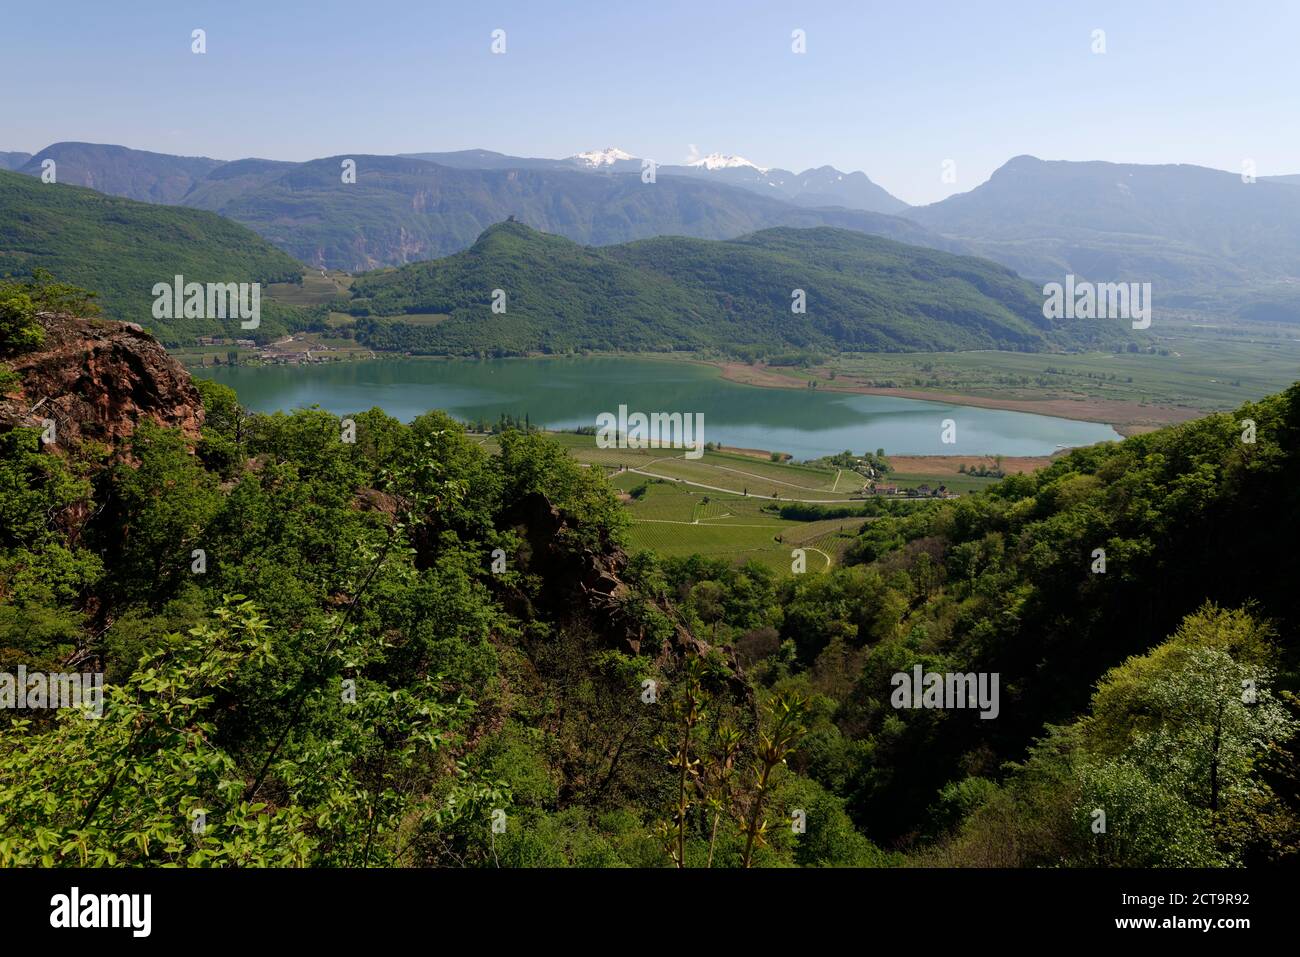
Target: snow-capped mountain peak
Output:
[
  {"x": 598, "y": 158},
  {"x": 724, "y": 161}
]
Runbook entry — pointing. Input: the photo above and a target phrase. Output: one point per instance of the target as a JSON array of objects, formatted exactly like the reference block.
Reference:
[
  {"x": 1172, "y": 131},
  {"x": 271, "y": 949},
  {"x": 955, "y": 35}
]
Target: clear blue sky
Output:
[{"x": 892, "y": 89}]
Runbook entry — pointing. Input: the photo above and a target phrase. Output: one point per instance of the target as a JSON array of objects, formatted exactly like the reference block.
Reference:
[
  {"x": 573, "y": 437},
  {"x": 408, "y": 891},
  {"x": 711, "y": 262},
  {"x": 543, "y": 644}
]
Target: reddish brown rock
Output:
[{"x": 99, "y": 380}]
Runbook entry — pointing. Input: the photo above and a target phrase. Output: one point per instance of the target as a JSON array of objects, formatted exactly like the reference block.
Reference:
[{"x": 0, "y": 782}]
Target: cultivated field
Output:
[
  {"x": 686, "y": 507},
  {"x": 316, "y": 290},
  {"x": 676, "y": 520}
]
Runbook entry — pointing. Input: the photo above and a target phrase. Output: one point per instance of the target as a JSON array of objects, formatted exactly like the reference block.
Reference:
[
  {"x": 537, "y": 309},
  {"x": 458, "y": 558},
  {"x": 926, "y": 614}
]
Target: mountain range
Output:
[
  {"x": 410, "y": 208},
  {"x": 823, "y": 186},
  {"x": 862, "y": 292},
  {"x": 403, "y": 210},
  {"x": 1206, "y": 240},
  {"x": 1185, "y": 226}
]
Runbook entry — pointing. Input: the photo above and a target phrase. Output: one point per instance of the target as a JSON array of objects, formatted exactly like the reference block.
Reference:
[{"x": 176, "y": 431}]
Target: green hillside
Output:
[
  {"x": 1120, "y": 680},
  {"x": 368, "y": 565},
  {"x": 121, "y": 248},
  {"x": 863, "y": 293}
]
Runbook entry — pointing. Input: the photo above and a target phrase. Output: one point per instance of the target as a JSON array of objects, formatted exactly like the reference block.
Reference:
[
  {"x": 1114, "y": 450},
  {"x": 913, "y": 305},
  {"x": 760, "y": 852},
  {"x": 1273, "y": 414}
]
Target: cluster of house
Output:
[
  {"x": 920, "y": 491},
  {"x": 220, "y": 341},
  {"x": 280, "y": 357},
  {"x": 275, "y": 354}
]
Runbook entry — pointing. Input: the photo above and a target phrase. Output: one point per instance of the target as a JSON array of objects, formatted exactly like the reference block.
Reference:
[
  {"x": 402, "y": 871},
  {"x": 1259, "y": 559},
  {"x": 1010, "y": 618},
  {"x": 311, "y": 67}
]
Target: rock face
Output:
[
  {"x": 586, "y": 583},
  {"x": 99, "y": 380}
]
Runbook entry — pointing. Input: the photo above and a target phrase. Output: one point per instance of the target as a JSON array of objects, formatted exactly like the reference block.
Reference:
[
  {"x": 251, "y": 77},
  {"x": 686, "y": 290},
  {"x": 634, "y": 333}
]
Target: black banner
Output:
[{"x": 210, "y": 907}]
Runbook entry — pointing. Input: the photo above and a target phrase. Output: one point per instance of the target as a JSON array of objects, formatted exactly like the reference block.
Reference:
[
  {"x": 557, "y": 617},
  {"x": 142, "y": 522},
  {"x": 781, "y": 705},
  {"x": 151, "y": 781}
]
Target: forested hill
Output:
[
  {"x": 120, "y": 248},
  {"x": 1127, "y": 596},
  {"x": 361, "y": 653},
  {"x": 860, "y": 292},
  {"x": 344, "y": 653}
]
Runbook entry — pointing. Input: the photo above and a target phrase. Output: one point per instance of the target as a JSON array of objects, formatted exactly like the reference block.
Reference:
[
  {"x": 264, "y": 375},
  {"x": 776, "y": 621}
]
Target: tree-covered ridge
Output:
[
  {"x": 122, "y": 248},
  {"x": 860, "y": 292},
  {"x": 369, "y": 652},
  {"x": 1195, "y": 598},
  {"x": 308, "y": 646}
]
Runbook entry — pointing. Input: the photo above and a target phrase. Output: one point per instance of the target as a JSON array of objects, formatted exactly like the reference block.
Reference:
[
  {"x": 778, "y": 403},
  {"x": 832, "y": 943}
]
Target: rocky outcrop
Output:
[
  {"x": 98, "y": 380},
  {"x": 579, "y": 581}
]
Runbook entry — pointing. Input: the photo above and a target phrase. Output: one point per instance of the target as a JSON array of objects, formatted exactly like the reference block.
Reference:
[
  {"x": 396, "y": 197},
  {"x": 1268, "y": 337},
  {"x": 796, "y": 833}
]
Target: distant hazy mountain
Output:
[
  {"x": 486, "y": 159},
  {"x": 1180, "y": 227},
  {"x": 824, "y": 186},
  {"x": 118, "y": 171},
  {"x": 230, "y": 181},
  {"x": 120, "y": 248},
  {"x": 1202, "y": 236},
  {"x": 405, "y": 210},
  {"x": 862, "y": 292},
  {"x": 13, "y": 160}
]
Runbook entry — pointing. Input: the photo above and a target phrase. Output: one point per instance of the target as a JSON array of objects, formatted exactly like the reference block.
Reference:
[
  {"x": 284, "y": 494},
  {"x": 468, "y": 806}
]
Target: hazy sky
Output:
[{"x": 892, "y": 89}]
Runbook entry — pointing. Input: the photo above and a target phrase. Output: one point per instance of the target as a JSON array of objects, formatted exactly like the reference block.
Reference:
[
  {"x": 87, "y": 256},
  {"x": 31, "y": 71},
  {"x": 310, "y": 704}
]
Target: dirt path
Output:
[
  {"x": 706, "y": 523},
  {"x": 764, "y": 478},
  {"x": 829, "y": 561},
  {"x": 732, "y": 492}
]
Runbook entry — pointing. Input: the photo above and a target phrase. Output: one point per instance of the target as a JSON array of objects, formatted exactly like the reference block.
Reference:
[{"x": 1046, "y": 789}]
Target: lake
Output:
[{"x": 563, "y": 393}]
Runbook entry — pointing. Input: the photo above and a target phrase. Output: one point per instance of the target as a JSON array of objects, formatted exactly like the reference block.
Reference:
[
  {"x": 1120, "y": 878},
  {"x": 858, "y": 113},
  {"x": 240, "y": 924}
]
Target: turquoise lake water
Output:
[{"x": 563, "y": 393}]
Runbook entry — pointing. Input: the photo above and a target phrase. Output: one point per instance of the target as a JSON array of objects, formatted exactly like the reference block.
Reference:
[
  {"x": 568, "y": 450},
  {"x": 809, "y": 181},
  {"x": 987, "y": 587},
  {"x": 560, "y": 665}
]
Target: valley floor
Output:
[
  {"x": 1196, "y": 367},
  {"x": 1127, "y": 418},
  {"x": 727, "y": 503}
]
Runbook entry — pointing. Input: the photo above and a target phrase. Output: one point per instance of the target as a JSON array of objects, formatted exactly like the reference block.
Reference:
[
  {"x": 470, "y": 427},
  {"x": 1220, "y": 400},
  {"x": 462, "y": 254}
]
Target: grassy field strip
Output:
[
  {"x": 697, "y": 522},
  {"x": 717, "y": 488},
  {"x": 829, "y": 561},
  {"x": 761, "y": 463},
  {"x": 316, "y": 290},
  {"x": 813, "y": 531},
  {"x": 673, "y": 520},
  {"x": 766, "y": 470},
  {"x": 805, "y": 488}
]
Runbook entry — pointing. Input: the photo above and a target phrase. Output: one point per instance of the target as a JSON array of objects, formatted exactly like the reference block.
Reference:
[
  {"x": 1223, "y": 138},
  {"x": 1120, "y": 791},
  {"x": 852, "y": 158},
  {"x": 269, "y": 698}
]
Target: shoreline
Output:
[{"x": 1126, "y": 418}]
